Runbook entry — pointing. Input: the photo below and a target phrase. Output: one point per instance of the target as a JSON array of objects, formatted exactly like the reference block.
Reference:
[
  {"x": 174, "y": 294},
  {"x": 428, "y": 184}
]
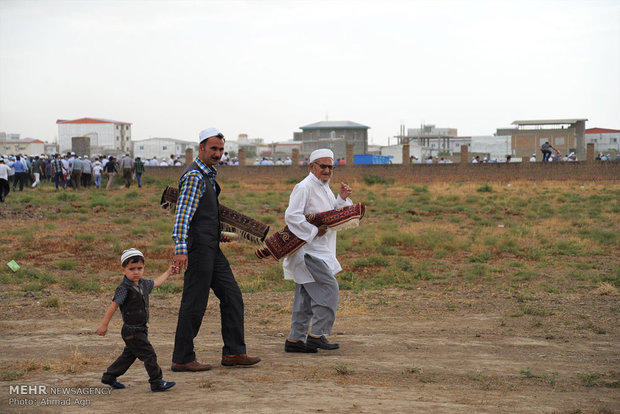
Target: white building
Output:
[
  {"x": 396, "y": 151},
  {"x": 604, "y": 140},
  {"x": 163, "y": 148},
  {"x": 106, "y": 136},
  {"x": 495, "y": 146}
]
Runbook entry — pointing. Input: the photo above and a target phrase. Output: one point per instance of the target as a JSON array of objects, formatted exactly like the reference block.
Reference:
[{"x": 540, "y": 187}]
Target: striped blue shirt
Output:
[{"x": 191, "y": 189}]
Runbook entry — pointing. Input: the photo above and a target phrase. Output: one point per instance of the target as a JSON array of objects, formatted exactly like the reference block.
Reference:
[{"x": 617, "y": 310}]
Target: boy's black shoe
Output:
[
  {"x": 321, "y": 342},
  {"x": 163, "y": 386},
  {"x": 114, "y": 384},
  {"x": 298, "y": 346}
]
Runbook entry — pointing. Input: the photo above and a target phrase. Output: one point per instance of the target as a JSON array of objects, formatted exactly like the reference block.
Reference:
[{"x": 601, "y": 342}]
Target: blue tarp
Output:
[{"x": 371, "y": 159}]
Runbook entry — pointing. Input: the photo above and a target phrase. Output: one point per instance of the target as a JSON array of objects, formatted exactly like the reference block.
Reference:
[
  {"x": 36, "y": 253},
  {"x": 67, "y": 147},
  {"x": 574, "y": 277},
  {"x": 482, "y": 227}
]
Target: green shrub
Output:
[
  {"x": 373, "y": 179},
  {"x": 66, "y": 264},
  {"x": 486, "y": 188},
  {"x": 76, "y": 285}
]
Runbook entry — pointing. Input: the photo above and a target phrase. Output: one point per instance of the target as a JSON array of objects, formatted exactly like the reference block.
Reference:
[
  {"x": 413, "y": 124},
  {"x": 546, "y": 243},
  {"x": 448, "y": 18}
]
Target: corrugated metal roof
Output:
[
  {"x": 549, "y": 121},
  {"x": 91, "y": 121},
  {"x": 334, "y": 125}
]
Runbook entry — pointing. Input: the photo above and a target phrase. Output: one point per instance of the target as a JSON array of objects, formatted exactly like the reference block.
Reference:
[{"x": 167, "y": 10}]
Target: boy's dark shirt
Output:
[{"x": 134, "y": 301}]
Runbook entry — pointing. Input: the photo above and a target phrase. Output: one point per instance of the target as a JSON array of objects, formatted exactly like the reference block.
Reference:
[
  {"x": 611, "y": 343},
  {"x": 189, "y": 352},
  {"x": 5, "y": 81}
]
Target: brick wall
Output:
[{"x": 416, "y": 173}]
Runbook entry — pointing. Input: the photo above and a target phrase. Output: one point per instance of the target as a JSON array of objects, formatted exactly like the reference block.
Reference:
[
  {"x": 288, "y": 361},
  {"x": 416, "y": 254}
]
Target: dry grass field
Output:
[{"x": 455, "y": 298}]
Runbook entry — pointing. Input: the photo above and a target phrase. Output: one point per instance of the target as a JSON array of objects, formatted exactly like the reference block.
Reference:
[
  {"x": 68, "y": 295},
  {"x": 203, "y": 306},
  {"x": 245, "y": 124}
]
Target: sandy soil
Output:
[{"x": 425, "y": 350}]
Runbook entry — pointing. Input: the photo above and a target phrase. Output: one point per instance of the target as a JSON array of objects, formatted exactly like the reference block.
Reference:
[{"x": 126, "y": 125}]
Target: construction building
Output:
[
  {"x": 434, "y": 141},
  {"x": 565, "y": 135}
]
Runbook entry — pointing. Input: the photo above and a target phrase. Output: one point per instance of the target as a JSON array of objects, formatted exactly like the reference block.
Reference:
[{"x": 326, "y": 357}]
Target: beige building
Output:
[{"x": 27, "y": 146}]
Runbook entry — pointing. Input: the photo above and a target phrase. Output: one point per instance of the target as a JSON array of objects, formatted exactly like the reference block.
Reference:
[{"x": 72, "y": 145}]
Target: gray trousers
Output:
[{"x": 314, "y": 302}]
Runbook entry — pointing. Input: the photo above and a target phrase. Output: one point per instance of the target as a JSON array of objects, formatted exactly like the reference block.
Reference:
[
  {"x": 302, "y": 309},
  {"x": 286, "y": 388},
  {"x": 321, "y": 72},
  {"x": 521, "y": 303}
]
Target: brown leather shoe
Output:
[
  {"x": 193, "y": 366},
  {"x": 239, "y": 359}
]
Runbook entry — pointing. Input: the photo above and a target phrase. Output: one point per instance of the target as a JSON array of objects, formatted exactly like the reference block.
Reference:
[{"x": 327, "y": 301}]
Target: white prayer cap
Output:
[
  {"x": 208, "y": 133},
  {"x": 130, "y": 253},
  {"x": 321, "y": 153}
]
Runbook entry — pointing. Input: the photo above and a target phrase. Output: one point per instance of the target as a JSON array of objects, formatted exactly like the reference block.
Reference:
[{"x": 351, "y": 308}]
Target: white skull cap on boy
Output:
[{"x": 130, "y": 253}]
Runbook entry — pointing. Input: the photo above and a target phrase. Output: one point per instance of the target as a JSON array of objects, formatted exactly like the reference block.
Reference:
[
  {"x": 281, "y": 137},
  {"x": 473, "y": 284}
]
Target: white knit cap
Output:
[
  {"x": 321, "y": 153},
  {"x": 130, "y": 253},
  {"x": 208, "y": 133}
]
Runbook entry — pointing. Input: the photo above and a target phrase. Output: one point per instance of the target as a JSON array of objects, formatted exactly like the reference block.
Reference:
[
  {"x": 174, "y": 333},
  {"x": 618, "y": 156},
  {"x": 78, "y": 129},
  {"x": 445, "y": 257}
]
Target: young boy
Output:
[{"x": 132, "y": 296}]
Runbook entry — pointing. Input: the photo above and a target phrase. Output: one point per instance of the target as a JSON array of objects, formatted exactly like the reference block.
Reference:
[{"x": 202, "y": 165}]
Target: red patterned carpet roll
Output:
[
  {"x": 284, "y": 243},
  {"x": 246, "y": 228}
]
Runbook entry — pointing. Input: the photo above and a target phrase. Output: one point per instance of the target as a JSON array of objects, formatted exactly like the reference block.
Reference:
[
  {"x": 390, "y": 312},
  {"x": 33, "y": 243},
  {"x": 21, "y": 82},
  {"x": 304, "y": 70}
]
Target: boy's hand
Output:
[
  {"x": 102, "y": 330},
  {"x": 174, "y": 269}
]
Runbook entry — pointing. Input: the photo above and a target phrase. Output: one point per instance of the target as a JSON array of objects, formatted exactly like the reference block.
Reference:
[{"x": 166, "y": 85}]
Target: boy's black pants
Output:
[{"x": 137, "y": 345}]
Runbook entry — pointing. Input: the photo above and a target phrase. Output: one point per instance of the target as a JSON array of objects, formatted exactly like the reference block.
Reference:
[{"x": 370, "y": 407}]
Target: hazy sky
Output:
[{"x": 266, "y": 68}]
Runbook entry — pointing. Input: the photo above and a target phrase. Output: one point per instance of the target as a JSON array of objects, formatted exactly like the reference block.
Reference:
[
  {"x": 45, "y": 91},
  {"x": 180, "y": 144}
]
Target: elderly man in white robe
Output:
[{"x": 313, "y": 267}]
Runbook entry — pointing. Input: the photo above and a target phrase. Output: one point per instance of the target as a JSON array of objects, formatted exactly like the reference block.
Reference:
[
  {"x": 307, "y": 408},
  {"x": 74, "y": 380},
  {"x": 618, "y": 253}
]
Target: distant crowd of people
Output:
[
  {"x": 289, "y": 161},
  {"x": 70, "y": 171}
]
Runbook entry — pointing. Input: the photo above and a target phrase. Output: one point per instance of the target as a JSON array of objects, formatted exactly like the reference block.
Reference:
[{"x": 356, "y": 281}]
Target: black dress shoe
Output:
[
  {"x": 113, "y": 383},
  {"x": 320, "y": 342},
  {"x": 298, "y": 346},
  {"x": 163, "y": 386}
]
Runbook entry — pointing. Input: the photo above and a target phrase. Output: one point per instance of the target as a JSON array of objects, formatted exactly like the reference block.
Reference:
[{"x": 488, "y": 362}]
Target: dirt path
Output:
[{"x": 427, "y": 350}]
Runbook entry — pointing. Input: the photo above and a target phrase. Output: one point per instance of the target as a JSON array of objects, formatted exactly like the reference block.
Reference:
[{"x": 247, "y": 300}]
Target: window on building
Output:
[
  {"x": 164, "y": 148},
  {"x": 126, "y": 127},
  {"x": 141, "y": 147},
  {"x": 117, "y": 127},
  {"x": 594, "y": 140},
  {"x": 559, "y": 141},
  {"x": 613, "y": 140}
]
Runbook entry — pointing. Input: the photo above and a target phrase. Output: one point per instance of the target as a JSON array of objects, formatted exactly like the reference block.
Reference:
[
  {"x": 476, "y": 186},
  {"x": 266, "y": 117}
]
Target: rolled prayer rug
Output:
[
  {"x": 231, "y": 220},
  {"x": 284, "y": 243}
]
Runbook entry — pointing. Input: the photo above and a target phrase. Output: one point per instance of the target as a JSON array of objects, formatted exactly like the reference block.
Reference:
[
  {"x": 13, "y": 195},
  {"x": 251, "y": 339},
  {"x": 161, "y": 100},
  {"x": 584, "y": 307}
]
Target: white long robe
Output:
[{"x": 309, "y": 196}]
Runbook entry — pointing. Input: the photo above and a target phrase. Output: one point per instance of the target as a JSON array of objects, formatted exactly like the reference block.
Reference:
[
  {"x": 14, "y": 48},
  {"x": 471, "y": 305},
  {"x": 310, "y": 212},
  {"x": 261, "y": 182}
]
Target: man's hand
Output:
[
  {"x": 180, "y": 262},
  {"x": 322, "y": 230},
  {"x": 345, "y": 191}
]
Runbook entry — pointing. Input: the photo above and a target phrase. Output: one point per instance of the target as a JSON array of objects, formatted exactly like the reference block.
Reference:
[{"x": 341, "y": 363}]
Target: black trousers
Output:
[
  {"x": 19, "y": 178},
  {"x": 208, "y": 269},
  {"x": 86, "y": 180},
  {"x": 4, "y": 189},
  {"x": 137, "y": 345}
]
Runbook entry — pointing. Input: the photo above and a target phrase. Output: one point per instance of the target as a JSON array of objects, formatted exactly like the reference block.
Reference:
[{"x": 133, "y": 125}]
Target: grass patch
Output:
[
  {"x": 77, "y": 285},
  {"x": 373, "y": 179},
  {"x": 66, "y": 264},
  {"x": 545, "y": 378},
  {"x": 596, "y": 380},
  {"x": 342, "y": 369}
]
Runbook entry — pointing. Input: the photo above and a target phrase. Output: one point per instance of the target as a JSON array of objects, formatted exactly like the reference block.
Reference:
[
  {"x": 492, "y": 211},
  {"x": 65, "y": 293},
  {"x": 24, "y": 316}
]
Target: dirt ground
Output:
[
  {"x": 424, "y": 350},
  {"x": 454, "y": 347}
]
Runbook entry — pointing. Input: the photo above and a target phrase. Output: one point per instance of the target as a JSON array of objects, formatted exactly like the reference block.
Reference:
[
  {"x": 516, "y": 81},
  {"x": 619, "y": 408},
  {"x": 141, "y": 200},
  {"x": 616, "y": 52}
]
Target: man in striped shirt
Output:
[{"x": 196, "y": 235}]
